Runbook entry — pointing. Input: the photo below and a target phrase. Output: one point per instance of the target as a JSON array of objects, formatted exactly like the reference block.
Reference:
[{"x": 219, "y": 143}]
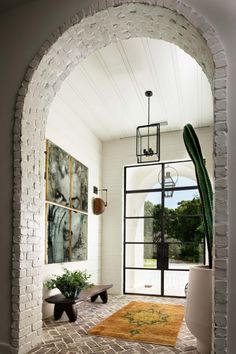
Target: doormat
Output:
[{"x": 143, "y": 322}]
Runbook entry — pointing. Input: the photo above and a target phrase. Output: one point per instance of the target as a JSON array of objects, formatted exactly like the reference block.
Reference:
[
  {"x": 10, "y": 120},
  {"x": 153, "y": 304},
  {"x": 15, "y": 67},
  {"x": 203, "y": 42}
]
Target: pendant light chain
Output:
[
  {"x": 148, "y": 94},
  {"x": 148, "y": 121},
  {"x": 148, "y": 110}
]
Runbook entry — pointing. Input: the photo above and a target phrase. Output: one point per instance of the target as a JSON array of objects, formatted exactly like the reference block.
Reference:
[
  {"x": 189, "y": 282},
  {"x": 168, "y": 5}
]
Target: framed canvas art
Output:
[
  {"x": 66, "y": 206},
  {"x": 58, "y": 175}
]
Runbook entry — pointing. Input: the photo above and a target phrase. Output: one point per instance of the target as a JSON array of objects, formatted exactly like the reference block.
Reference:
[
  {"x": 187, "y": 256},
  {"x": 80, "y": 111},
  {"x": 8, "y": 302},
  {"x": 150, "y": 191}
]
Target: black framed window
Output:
[{"x": 163, "y": 231}]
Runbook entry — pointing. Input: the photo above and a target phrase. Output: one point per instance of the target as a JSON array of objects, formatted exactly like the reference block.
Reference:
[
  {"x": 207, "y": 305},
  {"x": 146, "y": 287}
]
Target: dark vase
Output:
[{"x": 70, "y": 292}]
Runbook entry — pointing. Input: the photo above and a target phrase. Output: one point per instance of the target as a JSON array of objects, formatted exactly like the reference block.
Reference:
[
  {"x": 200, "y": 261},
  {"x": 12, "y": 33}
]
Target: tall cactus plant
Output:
[{"x": 204, "y": 184}]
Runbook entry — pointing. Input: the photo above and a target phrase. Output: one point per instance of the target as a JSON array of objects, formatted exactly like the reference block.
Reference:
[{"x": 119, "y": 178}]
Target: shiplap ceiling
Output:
[{"x": 106, "y": 90}]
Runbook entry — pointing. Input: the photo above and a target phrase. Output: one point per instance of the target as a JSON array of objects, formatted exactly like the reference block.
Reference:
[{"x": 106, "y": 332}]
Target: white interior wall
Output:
[
  {"x": 117, "y": 154},
  {"x": 67, "y": 131}
]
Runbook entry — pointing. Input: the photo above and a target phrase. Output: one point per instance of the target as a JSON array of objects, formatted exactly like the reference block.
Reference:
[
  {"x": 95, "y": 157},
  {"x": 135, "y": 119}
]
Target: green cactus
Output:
[{"x": 204, "y": 184}]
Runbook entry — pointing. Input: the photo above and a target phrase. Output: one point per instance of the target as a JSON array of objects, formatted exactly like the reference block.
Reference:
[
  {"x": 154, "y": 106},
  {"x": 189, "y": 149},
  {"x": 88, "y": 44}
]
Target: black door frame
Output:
[{"x": 162, "y": 190}]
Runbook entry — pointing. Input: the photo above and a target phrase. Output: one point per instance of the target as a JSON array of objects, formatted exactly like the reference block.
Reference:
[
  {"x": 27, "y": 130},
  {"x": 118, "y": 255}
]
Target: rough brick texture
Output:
[{"x": 87, "y": 31}]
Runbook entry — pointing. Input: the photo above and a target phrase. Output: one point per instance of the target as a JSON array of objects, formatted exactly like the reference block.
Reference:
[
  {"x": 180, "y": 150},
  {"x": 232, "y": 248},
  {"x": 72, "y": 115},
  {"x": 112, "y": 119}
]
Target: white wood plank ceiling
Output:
[{"x": 106, "y": 91}]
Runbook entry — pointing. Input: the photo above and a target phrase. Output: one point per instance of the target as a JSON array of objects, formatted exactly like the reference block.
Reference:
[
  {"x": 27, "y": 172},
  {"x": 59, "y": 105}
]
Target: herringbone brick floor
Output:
[{"x": 63, "y": 337}]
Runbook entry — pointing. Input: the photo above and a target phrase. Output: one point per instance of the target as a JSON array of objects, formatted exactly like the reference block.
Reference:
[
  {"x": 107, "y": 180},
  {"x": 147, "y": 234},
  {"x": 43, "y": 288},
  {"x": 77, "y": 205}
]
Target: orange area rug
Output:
[{"x": 143, "y": 322}]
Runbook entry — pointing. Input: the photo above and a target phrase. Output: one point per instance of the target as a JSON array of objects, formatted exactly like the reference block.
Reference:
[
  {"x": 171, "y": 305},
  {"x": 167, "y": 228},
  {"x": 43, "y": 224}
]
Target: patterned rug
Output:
[{"x": 143, "y": 322}]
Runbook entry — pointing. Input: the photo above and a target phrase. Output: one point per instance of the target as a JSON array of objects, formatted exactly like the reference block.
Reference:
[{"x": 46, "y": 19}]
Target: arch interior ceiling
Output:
[{"x": 106, "y": 90}]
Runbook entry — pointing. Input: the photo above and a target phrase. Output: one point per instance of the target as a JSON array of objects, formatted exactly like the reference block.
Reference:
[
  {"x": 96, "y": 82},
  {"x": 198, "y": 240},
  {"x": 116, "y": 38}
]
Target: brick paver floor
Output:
[{"x": 63, "y": 337}]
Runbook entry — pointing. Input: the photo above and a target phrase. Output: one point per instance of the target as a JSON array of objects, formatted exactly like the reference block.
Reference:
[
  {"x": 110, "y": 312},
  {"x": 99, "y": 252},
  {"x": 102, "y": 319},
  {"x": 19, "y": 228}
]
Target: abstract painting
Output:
[
  {"x": 58, "y": 226},
  {"x": 58, "y": 175},
  {"x": 79, "y": 227},
  {"x": 66, "y": 206},
  {"x": 67, "y": 179},
  {"x": 79, "y": 186}
]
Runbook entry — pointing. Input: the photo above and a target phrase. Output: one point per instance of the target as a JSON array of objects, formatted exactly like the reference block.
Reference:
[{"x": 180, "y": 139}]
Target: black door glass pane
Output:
[
  {"x": 140, "y": 281},
  {"x": 140, "y": 255},
  {"x": 179, "y": 174},
  {"x": 179, "y": 197},
  {"x": 142, "y": 204},
  {"x": 185, "y": 255},
  {"x": 175, "y": 283},
  {"x": 142, "y": 230},
  {"x": 142, "y": 177}
]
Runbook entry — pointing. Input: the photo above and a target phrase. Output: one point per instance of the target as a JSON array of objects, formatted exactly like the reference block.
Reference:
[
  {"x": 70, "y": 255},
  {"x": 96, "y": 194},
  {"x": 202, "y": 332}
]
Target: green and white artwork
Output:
[
  {"x": 67, "y": 179},
  {"x": 66, "y": 206},
  {"x": 79, "y": 186},
  {"x": 79, "y": 227},
  {"x": 58, "y": 175},
  {"x": 58, "y": 228}
]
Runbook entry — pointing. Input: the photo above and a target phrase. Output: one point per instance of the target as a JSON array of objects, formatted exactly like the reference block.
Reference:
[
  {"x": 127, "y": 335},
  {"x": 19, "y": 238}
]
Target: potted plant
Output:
[
  {"x": 70, "y": 283},
  {"x": 198, "y": 312}
]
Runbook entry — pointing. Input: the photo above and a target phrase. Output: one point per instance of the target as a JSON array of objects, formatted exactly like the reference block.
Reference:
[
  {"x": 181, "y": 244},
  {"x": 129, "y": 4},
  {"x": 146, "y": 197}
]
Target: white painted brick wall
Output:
[{"x": 53, "y": 62}]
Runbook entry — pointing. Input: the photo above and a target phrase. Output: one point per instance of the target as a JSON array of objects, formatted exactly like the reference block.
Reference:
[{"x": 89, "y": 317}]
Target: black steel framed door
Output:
[{"x": 163, "y": 233}]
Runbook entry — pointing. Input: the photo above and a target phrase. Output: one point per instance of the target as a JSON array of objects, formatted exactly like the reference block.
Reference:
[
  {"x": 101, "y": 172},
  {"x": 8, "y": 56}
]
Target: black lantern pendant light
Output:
[
  {"x": 170, "y": 180},
  {"x": 168, "y": 183},
  {"x": 148, "y": 139}
]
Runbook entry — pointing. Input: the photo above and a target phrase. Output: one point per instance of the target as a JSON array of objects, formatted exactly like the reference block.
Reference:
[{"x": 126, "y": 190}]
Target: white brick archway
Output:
[{"x": 91, "y": 29}]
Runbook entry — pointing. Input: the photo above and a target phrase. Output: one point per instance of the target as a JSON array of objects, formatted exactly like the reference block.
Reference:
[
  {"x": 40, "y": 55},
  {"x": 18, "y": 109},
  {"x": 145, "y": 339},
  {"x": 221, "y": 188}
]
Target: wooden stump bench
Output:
[{"x": 62, "y": 304}]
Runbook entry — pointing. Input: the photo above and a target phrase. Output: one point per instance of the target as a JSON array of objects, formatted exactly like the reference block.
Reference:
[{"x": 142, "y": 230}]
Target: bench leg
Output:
[
  {"x": 71, "y": 312},
  {"x": 69, "y": 309},
  {"x": 94, "y": 297},
  {"x": 104, "y": 296},
  {"x": 58, "y": 311}
]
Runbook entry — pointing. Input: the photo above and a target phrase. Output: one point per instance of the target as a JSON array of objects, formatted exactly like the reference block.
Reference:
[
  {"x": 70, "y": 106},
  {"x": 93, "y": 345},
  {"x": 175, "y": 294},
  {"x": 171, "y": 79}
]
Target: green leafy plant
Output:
[
  {"x": 70, "y": 283},
  {"x": 204, "y": 184}
]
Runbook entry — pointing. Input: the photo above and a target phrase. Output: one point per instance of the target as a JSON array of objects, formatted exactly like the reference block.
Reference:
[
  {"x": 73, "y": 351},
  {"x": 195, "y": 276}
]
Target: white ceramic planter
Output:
[{"x": 198, "y": 311}]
